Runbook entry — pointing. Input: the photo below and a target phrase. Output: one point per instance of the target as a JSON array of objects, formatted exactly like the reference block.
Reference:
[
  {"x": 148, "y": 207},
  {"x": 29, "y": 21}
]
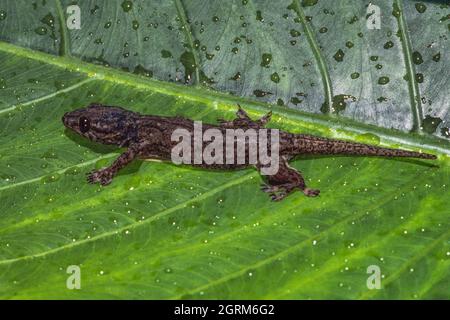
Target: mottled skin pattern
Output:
[{"x": 149, "y": 137}]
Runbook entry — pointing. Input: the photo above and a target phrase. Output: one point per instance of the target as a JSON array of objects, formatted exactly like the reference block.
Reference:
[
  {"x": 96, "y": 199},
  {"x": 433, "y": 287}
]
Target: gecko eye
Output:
[{"x": 84, "y": 124}]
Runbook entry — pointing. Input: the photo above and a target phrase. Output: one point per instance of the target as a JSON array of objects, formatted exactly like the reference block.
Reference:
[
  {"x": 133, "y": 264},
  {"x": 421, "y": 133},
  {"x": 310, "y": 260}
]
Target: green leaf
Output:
[
  {"x": 306, "y": 55},
  {"x": 163, "y": 231}
]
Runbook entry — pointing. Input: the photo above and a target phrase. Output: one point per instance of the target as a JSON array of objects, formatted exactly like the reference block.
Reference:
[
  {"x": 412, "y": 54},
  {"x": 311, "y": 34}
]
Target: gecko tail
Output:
[{"x": 315, "y": 145}]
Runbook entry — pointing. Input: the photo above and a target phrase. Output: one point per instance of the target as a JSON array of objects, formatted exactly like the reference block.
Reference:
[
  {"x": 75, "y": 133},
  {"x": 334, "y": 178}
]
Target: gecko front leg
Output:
[{"x": 105, "y": 175}]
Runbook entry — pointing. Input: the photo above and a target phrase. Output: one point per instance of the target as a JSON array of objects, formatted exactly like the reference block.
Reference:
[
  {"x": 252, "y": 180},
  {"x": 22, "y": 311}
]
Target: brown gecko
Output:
[{"x": 149, "y": 137}]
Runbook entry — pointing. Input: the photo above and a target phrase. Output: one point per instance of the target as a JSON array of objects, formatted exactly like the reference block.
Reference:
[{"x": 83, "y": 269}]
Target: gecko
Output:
[{"x": 149, "y": 137}]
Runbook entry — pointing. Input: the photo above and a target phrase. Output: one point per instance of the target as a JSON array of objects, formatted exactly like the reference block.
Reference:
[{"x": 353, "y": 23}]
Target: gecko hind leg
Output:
[
  {"x": 242, "y": 114},
  {"x": 285, "y": 181},
  {"x": 243, "y": 120}
]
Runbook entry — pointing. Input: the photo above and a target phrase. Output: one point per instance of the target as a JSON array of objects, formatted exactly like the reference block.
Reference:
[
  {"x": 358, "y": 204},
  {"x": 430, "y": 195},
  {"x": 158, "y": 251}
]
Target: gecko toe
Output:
[
  {"x": 100, "y": 176},
  {"x": 278, "y": 197},
  {"x": 270, "y": 189},
  {"x": 311, "y": 192},
  {"x": 105, "y": 181},
  {"x": 91, "y": 177}
]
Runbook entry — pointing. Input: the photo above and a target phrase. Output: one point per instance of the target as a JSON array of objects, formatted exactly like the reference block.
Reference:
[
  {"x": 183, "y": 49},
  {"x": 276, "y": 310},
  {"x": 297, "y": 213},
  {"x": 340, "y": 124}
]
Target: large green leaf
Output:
[
  {"x": 165, "y": 231},
  {"x": 306, "y": 54}
]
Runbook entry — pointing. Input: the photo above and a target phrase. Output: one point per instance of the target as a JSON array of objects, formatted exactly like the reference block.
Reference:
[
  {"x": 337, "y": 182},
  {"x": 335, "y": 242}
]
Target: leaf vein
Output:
[
  {"x": 47, "y": 96},
  {"x": 158, "y": 215}
]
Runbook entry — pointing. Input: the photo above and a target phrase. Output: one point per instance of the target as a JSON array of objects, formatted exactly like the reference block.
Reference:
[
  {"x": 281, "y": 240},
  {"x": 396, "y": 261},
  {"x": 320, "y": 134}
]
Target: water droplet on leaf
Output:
[
  {"x": 383, "y": 80},
  {"x": 420, "y": 7},
  {"x": 430, "y": 124},
  {"x": 417, "y": 57},
  {"x": 309, "y": 3},
  {"x": 294, "y": 33},
  {"x": 127, "y": 5},
  {"x": 236, "y": 77},
  {"x": 166, "y": 54},
  {"x": 388, "y": 45},
  {"x": 261, "y": 93},
  {"x": 437, "y": 57},
  {"x": 266, "y": 59},
  {"x": 259, "y": 16},
  {"x": 339, "y": 55},
  {"x": 40, "y": 31},
  {"x": 275, "y": 77}
]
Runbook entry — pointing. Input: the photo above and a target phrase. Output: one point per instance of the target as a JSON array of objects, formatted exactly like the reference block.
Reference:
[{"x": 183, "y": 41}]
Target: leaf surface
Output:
[{"x": 166, "y": 232}]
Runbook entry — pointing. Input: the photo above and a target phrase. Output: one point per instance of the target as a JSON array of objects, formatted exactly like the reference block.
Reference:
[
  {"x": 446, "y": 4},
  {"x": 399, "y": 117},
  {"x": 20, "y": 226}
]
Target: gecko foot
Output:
[
  {"x": 103, "y": 176},
  {"x": 311, "y": 192},
  {"x": 276, "y": 193}
]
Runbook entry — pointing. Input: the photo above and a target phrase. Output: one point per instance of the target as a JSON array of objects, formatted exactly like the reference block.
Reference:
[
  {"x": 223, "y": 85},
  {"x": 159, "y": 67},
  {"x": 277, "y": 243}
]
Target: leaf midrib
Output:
[
  {"x": 187, "y": 30},
  {"x": 47, "y": 96},
  {"x": 326, "y": 80},
  {"x": 201, "y": 94},
  {"x": 413, "y": 86},
  {"x": 64, "y": 48}
]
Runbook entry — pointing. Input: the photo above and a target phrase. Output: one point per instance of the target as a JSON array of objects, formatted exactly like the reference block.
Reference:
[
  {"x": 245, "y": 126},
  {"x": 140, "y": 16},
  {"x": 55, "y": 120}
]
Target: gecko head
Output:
[{"x": 104, "y": 124}]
